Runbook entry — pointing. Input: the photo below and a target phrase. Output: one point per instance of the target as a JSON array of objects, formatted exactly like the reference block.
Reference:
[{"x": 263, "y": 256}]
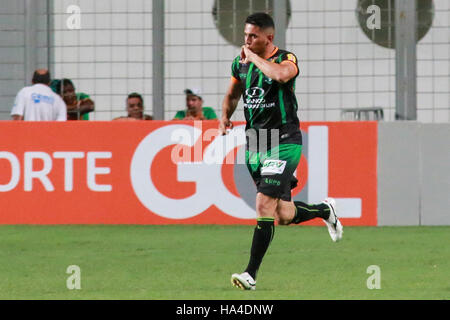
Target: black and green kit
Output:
[
  {"x": 268, "y": 104},
  {"x": 274, "y": 138}
]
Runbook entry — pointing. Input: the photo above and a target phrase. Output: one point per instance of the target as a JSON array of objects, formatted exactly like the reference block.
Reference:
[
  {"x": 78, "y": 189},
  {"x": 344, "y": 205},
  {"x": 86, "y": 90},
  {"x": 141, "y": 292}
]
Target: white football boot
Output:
[
  {"x": 243, "y": 281},
  {"x": 334, "y": 226}
]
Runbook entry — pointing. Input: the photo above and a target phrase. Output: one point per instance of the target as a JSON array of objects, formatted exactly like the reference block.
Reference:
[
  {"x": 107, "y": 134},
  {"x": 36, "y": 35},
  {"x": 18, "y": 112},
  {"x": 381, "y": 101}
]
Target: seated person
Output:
[
  {"x": 194, "y": 108},
  {"x": 135, "y": 108},
  {"x": 78, "y": 104}
]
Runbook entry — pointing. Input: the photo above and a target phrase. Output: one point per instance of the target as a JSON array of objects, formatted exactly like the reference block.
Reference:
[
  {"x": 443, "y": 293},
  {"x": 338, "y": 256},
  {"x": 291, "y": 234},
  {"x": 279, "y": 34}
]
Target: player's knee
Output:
[
  {"x": 284, "y": 214},
  {"x": 262, "y": 208},
  {"x": 265, "y": 205},
  {"x": 283, "y": 222},
  {"x": 282, "y": 219}
]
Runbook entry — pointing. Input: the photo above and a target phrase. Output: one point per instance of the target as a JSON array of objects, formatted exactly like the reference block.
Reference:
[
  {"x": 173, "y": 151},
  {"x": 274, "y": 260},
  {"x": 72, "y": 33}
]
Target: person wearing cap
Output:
[
  {"x": 194, "y": 108},
  {"x": 38, "y": 102}
]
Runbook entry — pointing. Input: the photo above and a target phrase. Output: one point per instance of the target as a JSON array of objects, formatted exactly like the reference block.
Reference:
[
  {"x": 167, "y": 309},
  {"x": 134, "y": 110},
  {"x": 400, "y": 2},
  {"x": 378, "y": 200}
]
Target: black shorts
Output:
[{"x": 273, "y": 171}]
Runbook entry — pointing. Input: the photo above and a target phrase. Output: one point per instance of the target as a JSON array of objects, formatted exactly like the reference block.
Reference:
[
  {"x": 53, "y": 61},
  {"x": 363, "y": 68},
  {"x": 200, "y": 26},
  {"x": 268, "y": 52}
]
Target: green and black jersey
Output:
[{"x": 269, "y": 104}]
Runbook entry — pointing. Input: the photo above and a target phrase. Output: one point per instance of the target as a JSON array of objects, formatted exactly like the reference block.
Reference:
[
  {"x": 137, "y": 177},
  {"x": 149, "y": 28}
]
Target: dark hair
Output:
[
  {"x": 135, "y": 95},
  {"x": 56, "y": 85},
  {"x": 39, "y": 77},
  {"x": 260, "y": 19}
]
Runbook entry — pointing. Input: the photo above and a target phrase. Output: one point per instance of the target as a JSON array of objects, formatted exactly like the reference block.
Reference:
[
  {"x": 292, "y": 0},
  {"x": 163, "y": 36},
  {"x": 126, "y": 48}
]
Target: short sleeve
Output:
[
  {"x": 235, "y": 68},
  {"x": 61, "y": 109},
  {"x": 289, "y": 56},
  {"x": 19, "y": 104}
]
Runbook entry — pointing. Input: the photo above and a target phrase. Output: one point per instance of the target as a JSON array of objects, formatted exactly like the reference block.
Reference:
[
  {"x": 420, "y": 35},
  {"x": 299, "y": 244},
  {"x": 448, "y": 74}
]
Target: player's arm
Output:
[
  {"x": 16, "y": 117},
  {"x": 280, "y": 72},
  {"x": 229, "y": 104}
]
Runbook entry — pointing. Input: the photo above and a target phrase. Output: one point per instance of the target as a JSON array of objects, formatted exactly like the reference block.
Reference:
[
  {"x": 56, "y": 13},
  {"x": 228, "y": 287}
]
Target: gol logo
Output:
[{"x": 210, "y": 187}]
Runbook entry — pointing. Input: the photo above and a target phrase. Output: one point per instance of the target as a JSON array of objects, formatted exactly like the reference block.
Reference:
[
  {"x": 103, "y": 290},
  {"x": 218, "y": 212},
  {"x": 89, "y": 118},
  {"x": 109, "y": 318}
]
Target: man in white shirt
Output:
[{"x": 38, "y": 102}]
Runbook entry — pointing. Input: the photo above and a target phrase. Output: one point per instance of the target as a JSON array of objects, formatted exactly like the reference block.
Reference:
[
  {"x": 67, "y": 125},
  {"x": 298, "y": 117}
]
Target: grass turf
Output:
[{"x": 195, "y": 262}]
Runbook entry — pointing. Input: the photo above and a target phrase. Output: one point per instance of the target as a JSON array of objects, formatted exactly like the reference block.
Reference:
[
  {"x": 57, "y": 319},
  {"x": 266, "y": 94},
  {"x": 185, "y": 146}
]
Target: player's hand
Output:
[
  {"x": 246, "y": 54},
  {"x": 224, "y": 124},
  {"x": 243, "y": 56}
]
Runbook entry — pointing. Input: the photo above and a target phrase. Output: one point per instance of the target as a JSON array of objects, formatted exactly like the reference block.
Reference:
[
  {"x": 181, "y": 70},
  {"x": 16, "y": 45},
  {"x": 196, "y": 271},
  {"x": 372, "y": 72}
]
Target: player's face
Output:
[
  {"x": 256, "y": 39},
  {"x": 135, "y": 108}
]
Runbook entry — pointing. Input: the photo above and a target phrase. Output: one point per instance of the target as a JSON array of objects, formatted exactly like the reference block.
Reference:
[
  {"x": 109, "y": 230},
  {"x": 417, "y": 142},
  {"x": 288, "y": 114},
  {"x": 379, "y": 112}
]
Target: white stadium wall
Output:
[
  {"x": 340, "y": 67},
  {"x": 413, "y": 174},
  {"x": 110, "y": 55}
]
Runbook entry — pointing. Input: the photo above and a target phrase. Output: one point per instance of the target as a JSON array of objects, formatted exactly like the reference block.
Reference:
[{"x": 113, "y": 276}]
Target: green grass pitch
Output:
[{"x": 195, "y": 262}]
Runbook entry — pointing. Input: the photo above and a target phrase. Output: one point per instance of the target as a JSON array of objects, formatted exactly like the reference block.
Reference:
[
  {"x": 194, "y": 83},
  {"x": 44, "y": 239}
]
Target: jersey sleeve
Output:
[
  {"x": 19, "y": 104},
  {"x": 235, "y": 68},
  {"x": 290, "y": 57}
]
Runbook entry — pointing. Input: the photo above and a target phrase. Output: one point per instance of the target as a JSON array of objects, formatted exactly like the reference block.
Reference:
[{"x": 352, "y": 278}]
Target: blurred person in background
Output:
[
  {"x": 194, "y": 108},
  {"x": 135, "y": 108},
  {"x": 79, "y": 104},
  {"x": 38, "y": 102}
]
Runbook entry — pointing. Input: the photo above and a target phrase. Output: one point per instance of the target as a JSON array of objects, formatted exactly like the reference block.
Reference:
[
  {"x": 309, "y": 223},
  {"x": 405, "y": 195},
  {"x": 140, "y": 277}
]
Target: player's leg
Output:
[
  {"x": 275, "y": 171},
  {"x": 289, "y": 157},
  {"x": 274, "y": 185},
  {"x": 262, "y": 237},
  {"x": 296, "y": 212},
  {"x": 263, "y": 232},
  {"x": 305, "y": 212},
  {"x": 266, "y": 206},
  {"x": 285, "y": 212}
]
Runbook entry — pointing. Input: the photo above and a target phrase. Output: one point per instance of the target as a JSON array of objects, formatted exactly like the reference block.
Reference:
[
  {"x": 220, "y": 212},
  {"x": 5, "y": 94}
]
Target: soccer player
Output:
[{"x": 264, "y": 76}]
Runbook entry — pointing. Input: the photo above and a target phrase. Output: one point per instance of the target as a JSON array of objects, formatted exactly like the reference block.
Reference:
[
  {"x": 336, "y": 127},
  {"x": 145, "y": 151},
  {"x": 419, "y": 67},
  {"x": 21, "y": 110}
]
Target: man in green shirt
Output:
[
  {"x": 194, "y": 108},
  {"x": 79, "y": 104}
]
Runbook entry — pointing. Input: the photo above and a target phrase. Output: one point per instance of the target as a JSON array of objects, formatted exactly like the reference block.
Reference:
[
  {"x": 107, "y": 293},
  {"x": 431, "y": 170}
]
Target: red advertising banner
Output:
[{"x": 177, "y": 172}]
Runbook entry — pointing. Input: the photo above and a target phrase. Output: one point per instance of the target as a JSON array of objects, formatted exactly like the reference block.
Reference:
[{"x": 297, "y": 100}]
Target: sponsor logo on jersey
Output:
[
  {"x": 37, "y": 98},
  {"x": 254, "y": 92},
  {"x": 272, "y": 182},
  {"x": 292, "y": 58},
  {"x": 255, "y": 99},
  {"x": 258, "y": 103}
]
